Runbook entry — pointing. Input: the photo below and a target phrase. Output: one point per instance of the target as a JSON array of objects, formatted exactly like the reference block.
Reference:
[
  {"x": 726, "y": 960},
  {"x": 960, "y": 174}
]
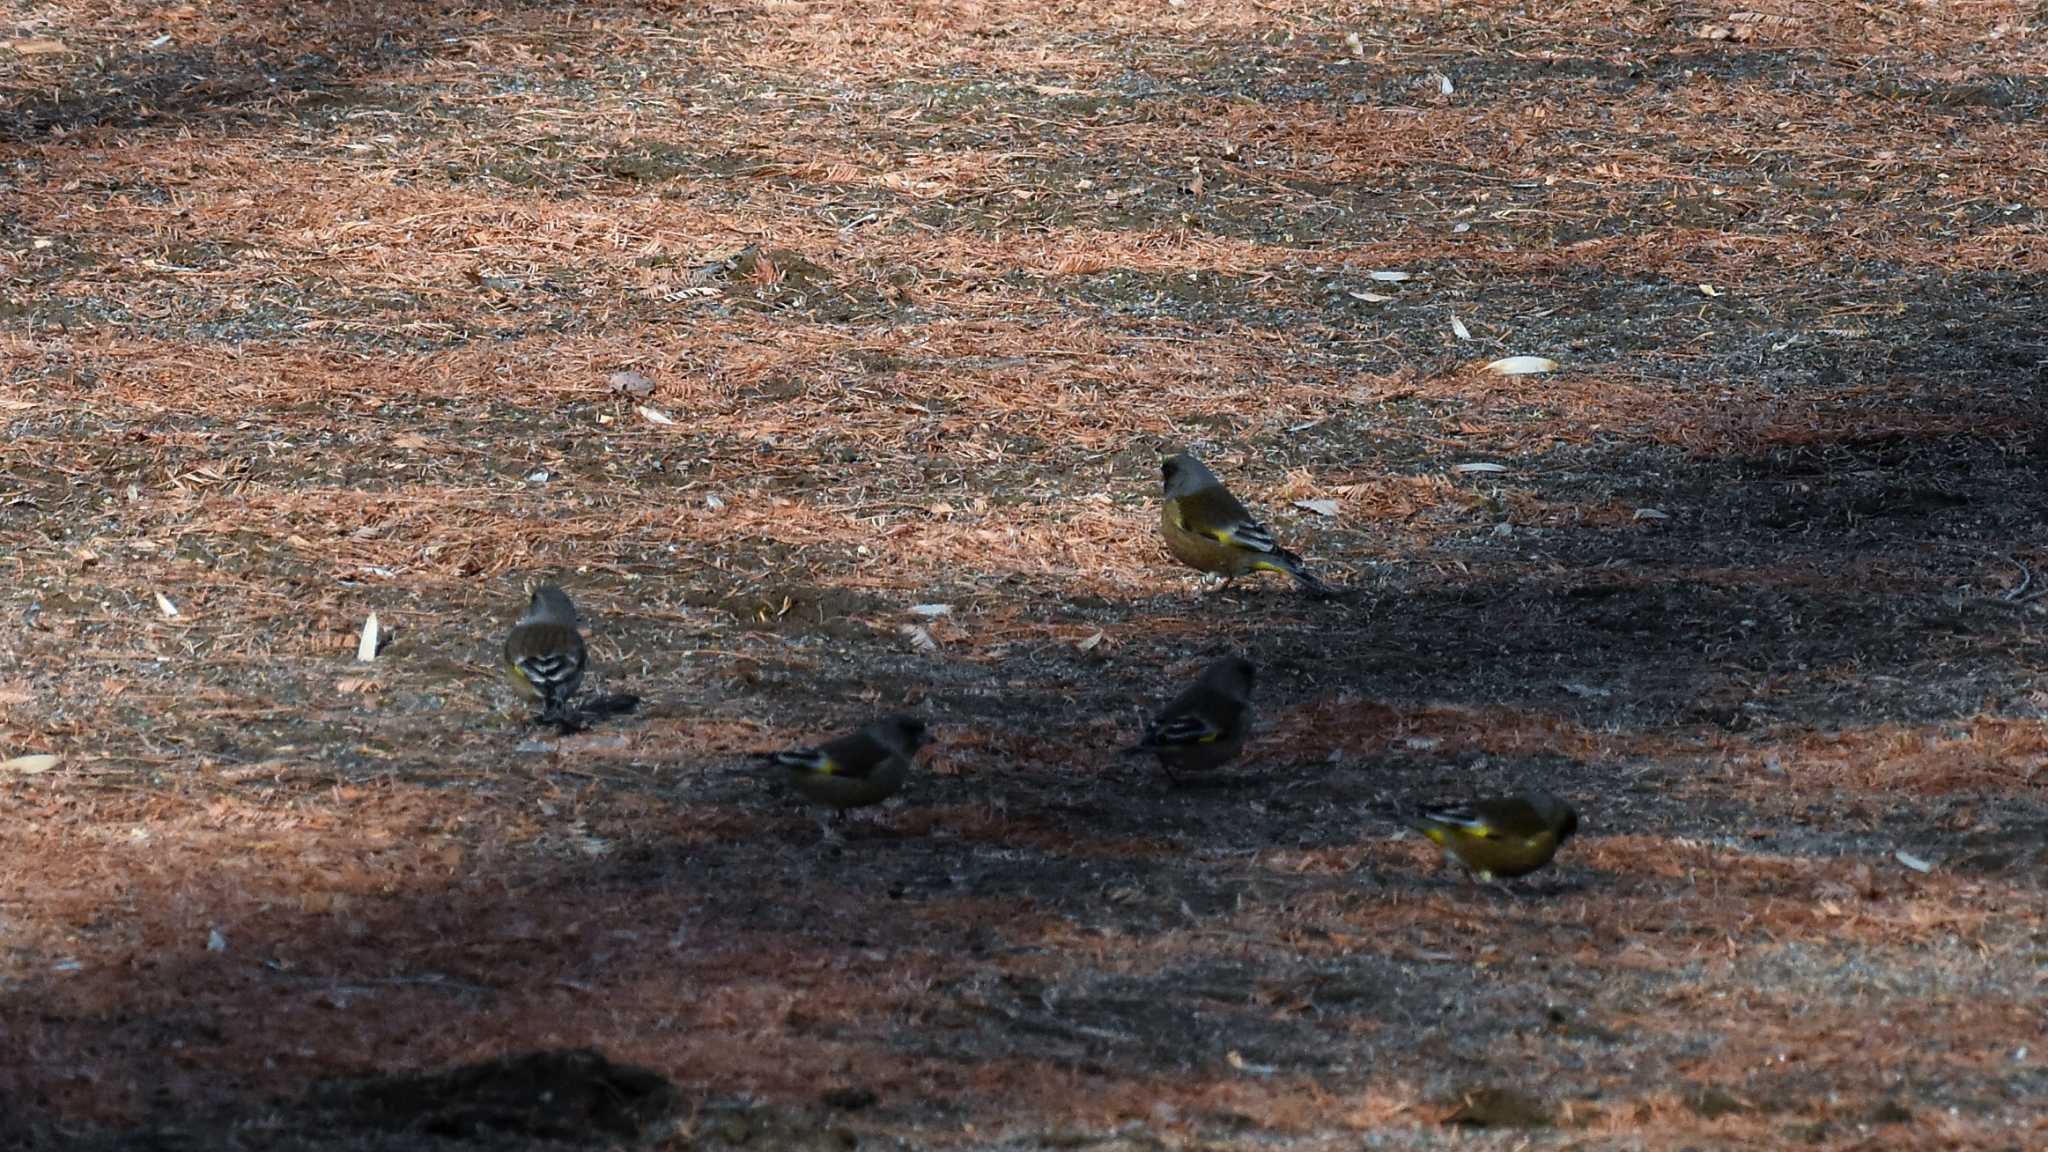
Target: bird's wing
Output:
[
  {"x": 812, "y": 761},
  {"x": 549, "y": 667},
  {"x": 854, "y": 757},
  {"x": 1183, "y": 728},
  {"x": 1460, "y": 817},
  {"x": 1215, "y": 513},
  {"x": 1247, "y": 534}
]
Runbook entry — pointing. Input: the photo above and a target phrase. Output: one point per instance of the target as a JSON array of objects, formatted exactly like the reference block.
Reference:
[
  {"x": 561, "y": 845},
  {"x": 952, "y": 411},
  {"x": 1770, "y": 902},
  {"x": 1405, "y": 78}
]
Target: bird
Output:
[
  {"x": 858, "y": 769},
  {"x": 1207, "y": 529},
  {"x": 1205, "y": 727},
  {"x": 1500, "y": 838},
  {"x": 544, "y": 653}
]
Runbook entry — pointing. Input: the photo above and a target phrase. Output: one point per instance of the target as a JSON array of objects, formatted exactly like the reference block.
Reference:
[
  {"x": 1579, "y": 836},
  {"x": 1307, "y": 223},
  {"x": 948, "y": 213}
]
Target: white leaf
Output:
[
  {"x": 539, "y": 476},
  {"x": 1459, "y": 330},
  {"x": 1709, "y": 290},
  {"x": 712, "y": 501},
  {"x": 1370, "y": 297},
  {"x": 215, "y": 942},
  {"x": 1444, "y": 84},
  {"x": 1587, "y": 691},
  {"x": 919, "y": 638},
  {"x": 29, "y": 765},
  {"x": 1357, "y": 45},
  {"x": 1479, "y": 467},
  {"x": 1393, "y": 277},
  {"x": 1912, "y": 861},
  {"x": 931, "y": 610},
  {"x": 1089, "y": 644},
  {"x": 1521, "y": 366},
  {"x": 1652, "y": 514},
  {"x": 366, "y": 645},
  {"x": 1319, "y": 507},
  {"x": 164, "y": 605},
  {"x": 653, "y": 415}
]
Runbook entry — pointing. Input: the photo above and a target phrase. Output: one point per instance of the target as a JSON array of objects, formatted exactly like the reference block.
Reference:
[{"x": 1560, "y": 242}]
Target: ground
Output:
[{"x": 762, "y": 322}]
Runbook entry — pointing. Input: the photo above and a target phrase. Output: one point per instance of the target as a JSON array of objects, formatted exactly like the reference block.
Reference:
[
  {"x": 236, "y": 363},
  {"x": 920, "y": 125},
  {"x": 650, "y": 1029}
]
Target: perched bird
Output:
[
  {"x": 865, "y": 767},
  {"x": 1205, "y": 727},
  {"x": 1208, "y": 530},
  {"x": 1504, "y": 838},
  {"x": 544, "y": 655}
]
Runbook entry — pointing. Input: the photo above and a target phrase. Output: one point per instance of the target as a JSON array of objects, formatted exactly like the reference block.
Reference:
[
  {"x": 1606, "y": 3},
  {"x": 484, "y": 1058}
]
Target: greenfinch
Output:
[
  {"x": 1205, "y": 727},
  {"x": 1208, "y": 530},
  {"x": 1502, "y": 838},
  {"x": 856, "y": 770},
  {"x": 544, "y": 653}
]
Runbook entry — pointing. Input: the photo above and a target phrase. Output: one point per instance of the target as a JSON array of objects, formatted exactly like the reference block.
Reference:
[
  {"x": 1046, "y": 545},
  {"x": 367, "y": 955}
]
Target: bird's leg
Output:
[{"x": 829, "y": 828}]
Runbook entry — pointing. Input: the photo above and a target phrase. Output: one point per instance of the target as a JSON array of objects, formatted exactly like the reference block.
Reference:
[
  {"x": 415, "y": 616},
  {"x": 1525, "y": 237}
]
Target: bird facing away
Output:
[
  {"x": 1205, "y": 727},
  {"x": 544, "y": 654},
  {"x": 1208, "y": 530},
  {"x": 1502, "y": 838},
  {"x": 856, "y": 770}
]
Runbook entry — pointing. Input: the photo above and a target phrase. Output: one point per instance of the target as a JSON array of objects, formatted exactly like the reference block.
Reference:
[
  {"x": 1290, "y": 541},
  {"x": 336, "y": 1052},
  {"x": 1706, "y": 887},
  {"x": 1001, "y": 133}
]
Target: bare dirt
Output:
[{"x": 760, "y": 322}]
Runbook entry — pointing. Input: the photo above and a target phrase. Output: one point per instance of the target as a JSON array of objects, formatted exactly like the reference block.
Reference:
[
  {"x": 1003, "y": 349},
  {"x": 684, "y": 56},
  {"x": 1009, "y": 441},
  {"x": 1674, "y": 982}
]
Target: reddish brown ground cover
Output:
[{"x": 314, "y": 310}]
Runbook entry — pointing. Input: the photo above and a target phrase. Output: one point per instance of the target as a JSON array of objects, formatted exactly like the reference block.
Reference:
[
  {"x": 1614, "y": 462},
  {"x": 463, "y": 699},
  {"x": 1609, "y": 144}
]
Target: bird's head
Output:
[
  {"x": 1232, "y": 675},
  {"x": 552, "y": 605},
  {"x": 1555, "y": 813},
  {"x": 908, "y": 730},
  {"x": 1182, "y": 473}
]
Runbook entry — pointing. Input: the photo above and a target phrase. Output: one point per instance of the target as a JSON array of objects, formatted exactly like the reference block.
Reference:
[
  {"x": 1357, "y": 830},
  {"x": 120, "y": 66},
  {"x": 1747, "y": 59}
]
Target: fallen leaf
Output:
[
  {"x": 1521, "y": 366},
  {"x": 919, "y": 638},
  {"x": 1090, "y": 643},
  {"x": 654, "y": 415},
  {"x": 366, "y": 645},
  {"x": 29, "y": 765},
  {"x": 1319, "y": 507},
  {"x": 1651, "y": 514},
  {"x": 931, "y": 610},
  {"x": 1357, "y": 45},
  {"x": 37, "y": 47},
  {"x": 1479, "y": 467},
  {"x": 1912, "y": 861},
  {"x": 1459, "y": 330},
  {"x": 164, "y": 605},
  {"x": 631, "y": 383},
  {"x": 1370, "y": 297},
  {"x": 1393, "y": 277}
]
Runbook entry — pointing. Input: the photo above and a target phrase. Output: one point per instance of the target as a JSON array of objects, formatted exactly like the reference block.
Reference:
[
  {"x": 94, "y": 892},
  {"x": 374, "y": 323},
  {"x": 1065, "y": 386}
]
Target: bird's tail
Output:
[{"x": 1309, "y": 583}]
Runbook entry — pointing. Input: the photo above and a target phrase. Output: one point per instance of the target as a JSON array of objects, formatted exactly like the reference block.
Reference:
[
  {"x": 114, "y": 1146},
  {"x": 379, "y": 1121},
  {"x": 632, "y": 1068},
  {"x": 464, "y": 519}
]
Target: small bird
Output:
[
  {"x": 856, "y": 770},
  {"x": 1503, "y": 838},
  {"x": 544, "y": 654},
  {"x": 1205, "y": 727},
  {"x": 1208, "y": 530}
]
